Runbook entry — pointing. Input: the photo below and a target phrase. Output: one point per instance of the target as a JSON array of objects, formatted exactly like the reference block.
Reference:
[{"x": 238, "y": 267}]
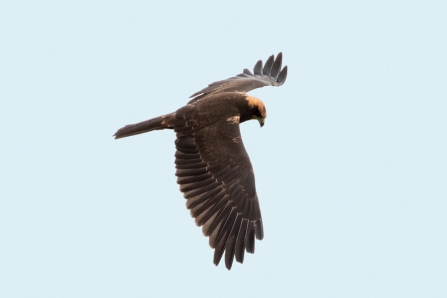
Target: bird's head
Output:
[{"x": 257, "y": 109}]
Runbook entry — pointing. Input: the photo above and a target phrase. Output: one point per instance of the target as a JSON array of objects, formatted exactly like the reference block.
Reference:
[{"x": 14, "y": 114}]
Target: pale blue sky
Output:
[{"x": 351, "y": 166}]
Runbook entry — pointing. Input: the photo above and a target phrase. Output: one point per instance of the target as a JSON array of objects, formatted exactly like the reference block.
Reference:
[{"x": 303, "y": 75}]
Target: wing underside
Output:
[
  {"x": 270, "y": 74},
  {"x": 219, "y": 186}
]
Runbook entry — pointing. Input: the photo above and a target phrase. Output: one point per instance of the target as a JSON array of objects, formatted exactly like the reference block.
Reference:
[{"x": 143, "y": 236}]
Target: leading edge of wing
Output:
[{"x": 269, "y": 75}]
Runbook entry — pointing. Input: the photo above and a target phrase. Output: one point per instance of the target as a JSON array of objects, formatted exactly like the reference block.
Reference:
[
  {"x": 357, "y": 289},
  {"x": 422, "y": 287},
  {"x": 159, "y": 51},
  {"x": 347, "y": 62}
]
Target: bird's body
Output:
[{"x": 213, "y": 168}]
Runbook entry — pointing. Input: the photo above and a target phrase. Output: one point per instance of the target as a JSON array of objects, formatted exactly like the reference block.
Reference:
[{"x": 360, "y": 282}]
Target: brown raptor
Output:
[{"x": 213, "y": 169}]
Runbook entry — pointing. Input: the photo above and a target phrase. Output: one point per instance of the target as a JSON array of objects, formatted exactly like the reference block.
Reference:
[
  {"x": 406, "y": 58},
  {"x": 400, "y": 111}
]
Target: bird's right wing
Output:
[
  {"x": 269, "y": 75},
  {"x": 217, "y": 179}
]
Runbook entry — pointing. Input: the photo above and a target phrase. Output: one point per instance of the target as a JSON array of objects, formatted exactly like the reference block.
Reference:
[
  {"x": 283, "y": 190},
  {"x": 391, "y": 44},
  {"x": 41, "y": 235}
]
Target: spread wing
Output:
[
  {"x": 269, "y": 75},
  {"x": 216, "y": 177}
]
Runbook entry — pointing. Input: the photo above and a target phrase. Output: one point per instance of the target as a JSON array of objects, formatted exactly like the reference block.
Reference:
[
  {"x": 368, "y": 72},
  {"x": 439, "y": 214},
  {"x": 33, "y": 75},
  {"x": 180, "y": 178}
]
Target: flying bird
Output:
[{"x": 212, "y": 167}]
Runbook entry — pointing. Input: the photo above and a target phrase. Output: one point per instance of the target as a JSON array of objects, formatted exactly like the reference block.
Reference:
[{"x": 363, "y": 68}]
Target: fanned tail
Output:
[{"x": 161, "y": 122}]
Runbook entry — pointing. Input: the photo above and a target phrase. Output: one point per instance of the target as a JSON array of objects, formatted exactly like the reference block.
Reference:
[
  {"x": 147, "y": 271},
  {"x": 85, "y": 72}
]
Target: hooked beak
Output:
[{"x": 261, "y": 121}]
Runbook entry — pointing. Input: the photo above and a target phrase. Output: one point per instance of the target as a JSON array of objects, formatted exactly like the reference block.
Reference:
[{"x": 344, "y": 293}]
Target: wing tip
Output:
[
  {"x": 272, "y": 70},
  {"x": 282, "y": 76},
  {"x": 270, "y": 74},
  {"x": 259, "y": 230},
  {"x": 276, "y": 67},
  {"x": 268, "y": 66},
  {"x": 257, "y": 69}
]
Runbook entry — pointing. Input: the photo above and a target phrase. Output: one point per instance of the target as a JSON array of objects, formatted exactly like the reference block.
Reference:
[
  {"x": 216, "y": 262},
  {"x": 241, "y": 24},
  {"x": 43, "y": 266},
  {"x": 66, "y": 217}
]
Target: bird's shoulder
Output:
[{"x": 217, "y": 107}]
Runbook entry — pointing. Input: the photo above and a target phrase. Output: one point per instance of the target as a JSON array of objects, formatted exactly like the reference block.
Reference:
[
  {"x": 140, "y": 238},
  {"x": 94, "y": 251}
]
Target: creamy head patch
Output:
[{"x": 256, "y": 102}]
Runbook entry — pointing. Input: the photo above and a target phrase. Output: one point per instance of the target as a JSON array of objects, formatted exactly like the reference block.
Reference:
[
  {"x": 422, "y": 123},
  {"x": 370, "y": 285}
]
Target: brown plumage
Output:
[{"x": 213, "y": 169}]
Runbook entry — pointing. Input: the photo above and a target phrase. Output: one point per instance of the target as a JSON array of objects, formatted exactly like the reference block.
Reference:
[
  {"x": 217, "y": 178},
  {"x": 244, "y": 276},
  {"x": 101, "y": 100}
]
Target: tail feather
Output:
[{"x": 161, "y": 122}]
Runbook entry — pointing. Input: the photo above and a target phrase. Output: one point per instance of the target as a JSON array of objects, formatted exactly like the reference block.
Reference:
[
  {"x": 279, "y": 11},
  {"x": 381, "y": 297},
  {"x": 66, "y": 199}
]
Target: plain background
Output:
[{"x": 351, "y": 166}]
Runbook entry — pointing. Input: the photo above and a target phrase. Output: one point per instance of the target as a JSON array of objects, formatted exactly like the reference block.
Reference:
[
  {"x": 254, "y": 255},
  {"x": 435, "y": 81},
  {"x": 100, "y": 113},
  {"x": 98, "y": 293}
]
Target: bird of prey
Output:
[{"x": 212, "y": 167}]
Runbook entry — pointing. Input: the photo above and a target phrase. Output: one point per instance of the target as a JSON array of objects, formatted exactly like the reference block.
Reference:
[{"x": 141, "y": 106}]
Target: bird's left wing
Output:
[
  {"x": 217, "y": 179},
  {"x": 269, "y": 75}
]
